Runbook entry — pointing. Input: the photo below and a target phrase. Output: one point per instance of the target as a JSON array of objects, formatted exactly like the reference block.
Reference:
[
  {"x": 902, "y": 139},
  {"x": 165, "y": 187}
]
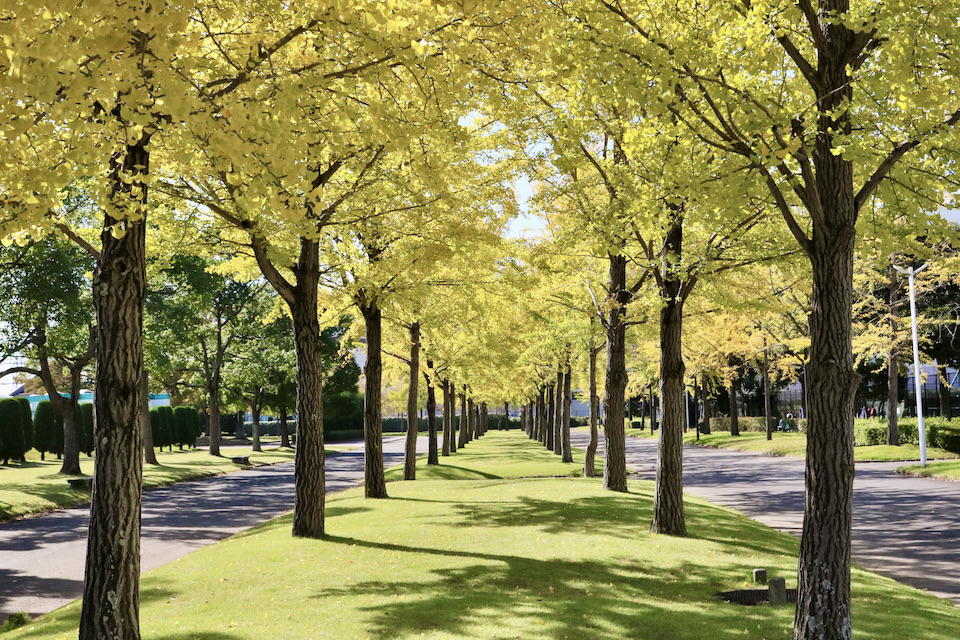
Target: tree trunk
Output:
[
  {"x": 943, "y": 391},
  {"x": 213, "y": 424},
  {"x": 551, "y": 418},
  {"x": 589, "y": 458},
  {"x": 309, "y": 467},
  {"x": 668, "y": 517},
  {"x": 615, "y": 461},
  {"x": 506, "y": 417},
  {"x": 432, "y": 457},
  {"x": 255, "y": 421},
  {"x": 558, "y": 414},
  {"x": 566, "y": 449},
  {"x": 284, "y": 430},
  {"x": 767, "y": 417},
  {"x": 111, "y": 594},
  {"x": 823, "y": 608},
  {"x": 462, "y": 438},
  {"x": 471, "y": 420},
  {"x": 71, "y": 439},
  {"x": 149, "y": 455},
  {"x": 375, "y": 484},
  {"x": 413, "y": 399},
  {"x": 893, "y": 361},
  {"x": 705, "y": 418},
  {"x": 447, "y": 417},
  {"x": 734, "y": 410}
]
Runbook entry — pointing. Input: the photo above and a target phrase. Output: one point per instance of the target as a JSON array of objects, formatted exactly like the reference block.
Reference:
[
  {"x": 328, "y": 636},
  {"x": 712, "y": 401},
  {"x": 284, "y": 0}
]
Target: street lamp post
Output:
[{"x": 911, "y": 272}]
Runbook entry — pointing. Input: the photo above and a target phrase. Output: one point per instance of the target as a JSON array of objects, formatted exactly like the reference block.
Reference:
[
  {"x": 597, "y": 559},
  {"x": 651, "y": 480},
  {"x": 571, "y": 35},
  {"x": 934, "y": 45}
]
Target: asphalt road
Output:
[
  {"x": 905, "y": 528},
  {"x": 42, "y": 558}
]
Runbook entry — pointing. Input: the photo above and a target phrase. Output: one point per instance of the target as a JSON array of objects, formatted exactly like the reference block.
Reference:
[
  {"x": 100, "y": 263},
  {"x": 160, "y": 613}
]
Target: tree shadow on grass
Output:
[{"x": 554, "y": 598}]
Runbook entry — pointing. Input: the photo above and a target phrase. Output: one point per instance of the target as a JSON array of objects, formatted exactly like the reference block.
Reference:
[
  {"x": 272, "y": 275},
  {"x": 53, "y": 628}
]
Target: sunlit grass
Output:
[
  {"x": 944, "y": 470},
  {"x": 36, "y": 486},
  {"x": 556, "y": 558},
  {"x": 795, "y": 444},
  {"x": 499, "y": 454}
]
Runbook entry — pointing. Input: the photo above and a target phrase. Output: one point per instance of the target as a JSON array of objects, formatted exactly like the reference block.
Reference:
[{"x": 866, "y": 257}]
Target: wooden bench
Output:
[
  {"x": 82, "y": 482},
  {"x": 240, "y": 460}
]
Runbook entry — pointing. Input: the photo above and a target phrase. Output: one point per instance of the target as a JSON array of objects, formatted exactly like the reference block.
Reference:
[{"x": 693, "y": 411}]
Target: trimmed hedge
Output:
[
  {"x": 85, "y": 428},
  {"x": 750, "y": 423},
  {"x": 44, "y": 430},
  {"x": 26, "y": 420},
  {"x": 12, "y": 441},
  {"x": 941, "y": 433}
]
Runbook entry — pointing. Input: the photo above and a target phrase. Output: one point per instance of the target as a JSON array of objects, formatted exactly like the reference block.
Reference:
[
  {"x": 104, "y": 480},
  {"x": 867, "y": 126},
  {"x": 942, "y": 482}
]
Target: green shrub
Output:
[
  {"x": 753, "y": 424},
  {"x": 85, "y": 428},
  {"x": 155, "y": 428},
  {"x": 941, "y": 433},
  {"x": 15, "y": 621},
  {"x": 26, "y": 419},
  {"x": 184, "y": 420},
  {"x": 341, "y": 436},
  {"x": 44, "y": 424},
  {"x": 12, "y": 443},
  {"x": 168, "y": 426}
]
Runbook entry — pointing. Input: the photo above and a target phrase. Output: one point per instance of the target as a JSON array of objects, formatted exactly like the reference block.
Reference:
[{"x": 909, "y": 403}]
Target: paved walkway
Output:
[
  {"x": 42, "y": 558},
  {"x": 906, "y": 528}
]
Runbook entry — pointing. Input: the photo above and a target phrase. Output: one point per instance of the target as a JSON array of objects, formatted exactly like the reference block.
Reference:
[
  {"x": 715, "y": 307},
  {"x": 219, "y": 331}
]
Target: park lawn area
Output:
[
  {"x": 37, "y": 487},
  {"x": 498, "y": 454},
  {"x": 795, "y": 444},
  {"x": 942, "y": 470},
  {"x": 555, "y": 558}
]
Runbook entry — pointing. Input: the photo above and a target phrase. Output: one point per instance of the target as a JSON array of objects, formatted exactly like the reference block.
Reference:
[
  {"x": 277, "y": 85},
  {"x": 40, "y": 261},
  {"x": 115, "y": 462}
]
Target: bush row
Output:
[
  {"x": 751, "y": 423},
  {"x": 175, "y": 426},
  {"x": 941, "y": 433}
]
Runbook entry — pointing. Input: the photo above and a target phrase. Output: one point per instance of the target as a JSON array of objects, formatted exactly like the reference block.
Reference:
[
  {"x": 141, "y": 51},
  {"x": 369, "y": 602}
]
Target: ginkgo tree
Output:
[{"x": 832, "y": 107}]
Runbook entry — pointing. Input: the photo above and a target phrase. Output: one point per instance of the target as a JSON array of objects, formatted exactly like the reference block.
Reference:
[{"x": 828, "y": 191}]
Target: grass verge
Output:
[
  {"x": 499, "y": 454},
  {"x": 795, "y": 444},
  {"x": 942, "y": 470},
  {"x": 556, "y": 558},
  {"x": 37, "y": 487}
]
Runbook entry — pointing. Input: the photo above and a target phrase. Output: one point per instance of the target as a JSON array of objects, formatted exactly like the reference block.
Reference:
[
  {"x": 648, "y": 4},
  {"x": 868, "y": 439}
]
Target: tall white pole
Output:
[{"x": 917, "y": 384}]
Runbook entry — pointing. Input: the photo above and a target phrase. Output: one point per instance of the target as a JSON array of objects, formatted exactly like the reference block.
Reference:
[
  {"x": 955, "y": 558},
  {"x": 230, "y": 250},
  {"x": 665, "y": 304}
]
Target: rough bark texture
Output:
[
  {"x": 506, "y": 417},
  {"x": 943, "y": 392},
  {"x": 284, "y": 429},
  {"x": 309, "y": 492},
  {"x": 767, "y": 413},
  {"x": 823, "y": 607},
  {"x": 668, "y": 517},
  {"x": 734, "y": 411},
  {"x": 149, "y": 455},
  {"x": 566, "y": 449},
  {"x": 539, "y": 417},
  {"x": 551, "y": 418},
  {"x": 893, "y": 361},
  {"x": 413, "y": 397},
  {"x": 432, "y": 457},
  {"x": 471, "y": 420},
  {"x": 213, "y": 419},
  {"x": 464, "y": 424},
  {"x": 615, "y": 462},
  {"x": 447, "y": 417},
  {"x": 558, "y": 415},
  {"x": 111, "y": 594},
  {"x": 255, "y": 421},
  {"x": 375, "y": 483},
  {"x": 589, "y": 458}
]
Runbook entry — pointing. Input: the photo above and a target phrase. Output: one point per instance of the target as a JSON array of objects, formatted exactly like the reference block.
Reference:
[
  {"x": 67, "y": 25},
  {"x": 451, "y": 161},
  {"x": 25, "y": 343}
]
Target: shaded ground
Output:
[
  {"x": 42, "y": 557},
  {"x": 905, "y": 528}
]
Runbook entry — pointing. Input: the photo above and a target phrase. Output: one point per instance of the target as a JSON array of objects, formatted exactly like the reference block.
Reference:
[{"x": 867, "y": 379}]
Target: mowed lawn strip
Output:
[
  {"x": 942, "y": 470},
  {"x": 499, "y": 454},
  {"x": 795, "y": 444},
  {"x": 37, "y": 487},
  {"x": 556, "y": 558}
]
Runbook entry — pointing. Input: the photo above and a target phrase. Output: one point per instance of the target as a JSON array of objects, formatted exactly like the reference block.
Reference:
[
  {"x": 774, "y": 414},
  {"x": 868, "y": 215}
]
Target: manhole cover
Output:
[{"x": 751, "y": 597}]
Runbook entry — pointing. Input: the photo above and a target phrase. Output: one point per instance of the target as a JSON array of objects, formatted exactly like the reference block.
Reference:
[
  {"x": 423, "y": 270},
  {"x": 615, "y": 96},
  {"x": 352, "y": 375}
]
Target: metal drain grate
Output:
[{"x": 752, "y": 597}]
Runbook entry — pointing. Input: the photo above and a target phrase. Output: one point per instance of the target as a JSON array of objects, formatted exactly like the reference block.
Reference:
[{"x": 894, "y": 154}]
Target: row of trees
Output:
[{"x": 354, "y": 159}]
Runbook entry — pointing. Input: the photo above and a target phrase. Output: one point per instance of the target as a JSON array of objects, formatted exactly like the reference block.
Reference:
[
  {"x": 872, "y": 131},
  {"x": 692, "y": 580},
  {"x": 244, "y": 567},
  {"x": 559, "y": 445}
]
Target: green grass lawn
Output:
[
  {"x": 556, "y": 558},
  {"x": 37, "y": 487},
  {"x": 497, "y": 455},
  {"x": 795, "y": 444},
  {"x": 943, "y": 470}
]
